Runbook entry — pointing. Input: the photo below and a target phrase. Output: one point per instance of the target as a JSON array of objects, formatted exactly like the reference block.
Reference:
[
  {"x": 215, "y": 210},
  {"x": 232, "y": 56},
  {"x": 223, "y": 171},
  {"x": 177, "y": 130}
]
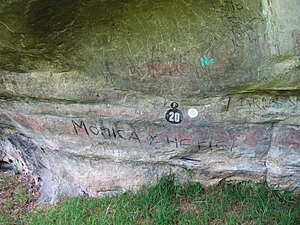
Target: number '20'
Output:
[{"x": 174, "y": 117}]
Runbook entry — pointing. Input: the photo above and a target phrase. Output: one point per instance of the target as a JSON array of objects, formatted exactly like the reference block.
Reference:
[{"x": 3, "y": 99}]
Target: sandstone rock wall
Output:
[{"x": 85, "y": 86}]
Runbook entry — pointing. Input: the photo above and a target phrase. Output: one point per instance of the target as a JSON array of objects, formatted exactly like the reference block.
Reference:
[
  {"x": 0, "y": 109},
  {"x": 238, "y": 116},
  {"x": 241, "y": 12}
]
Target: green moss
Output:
[
  {"x": 113, "y": 42},
  {"x": 275, "y": 87},
  {"x": 284, "y": 58},
  {"x": 72, "y": 34}
]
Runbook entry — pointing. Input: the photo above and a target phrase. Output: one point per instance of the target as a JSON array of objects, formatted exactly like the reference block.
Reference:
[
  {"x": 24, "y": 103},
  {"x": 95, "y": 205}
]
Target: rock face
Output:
[{"x": 85, "y": 86}]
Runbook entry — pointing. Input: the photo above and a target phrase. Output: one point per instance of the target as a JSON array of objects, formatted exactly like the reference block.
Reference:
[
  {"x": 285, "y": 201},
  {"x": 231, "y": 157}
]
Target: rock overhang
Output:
[{"x": 85, "y": 86}]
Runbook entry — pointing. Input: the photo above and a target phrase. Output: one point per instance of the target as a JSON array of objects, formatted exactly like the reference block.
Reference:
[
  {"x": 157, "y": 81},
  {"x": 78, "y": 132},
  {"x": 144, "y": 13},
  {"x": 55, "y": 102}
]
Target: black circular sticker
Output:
[{"x": 174, "y": 115}]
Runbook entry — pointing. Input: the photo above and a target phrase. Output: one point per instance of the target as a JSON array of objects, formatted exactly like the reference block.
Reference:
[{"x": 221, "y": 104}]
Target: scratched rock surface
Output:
[
  {"x": 284, "y": 157},
  {"x": 91, "y": 149},
  {"x": 85, "y": 86}
]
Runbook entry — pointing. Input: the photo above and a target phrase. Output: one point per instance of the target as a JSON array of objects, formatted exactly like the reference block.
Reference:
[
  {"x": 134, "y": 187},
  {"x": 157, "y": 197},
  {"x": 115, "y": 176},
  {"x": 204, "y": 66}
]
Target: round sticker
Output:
[
  {"x": 174, "y": 115},
  {"x": 193, "y": 112}
]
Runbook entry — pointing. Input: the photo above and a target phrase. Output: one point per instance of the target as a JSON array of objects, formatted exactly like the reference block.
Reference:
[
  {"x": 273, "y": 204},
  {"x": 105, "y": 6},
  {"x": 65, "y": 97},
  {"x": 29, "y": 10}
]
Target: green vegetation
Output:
[
  {"x": 17, "y": 197},
  {"x": 168, "y": 203},
  {"x": 164, "y": 203},
  {"x": 38, "y": 35}
]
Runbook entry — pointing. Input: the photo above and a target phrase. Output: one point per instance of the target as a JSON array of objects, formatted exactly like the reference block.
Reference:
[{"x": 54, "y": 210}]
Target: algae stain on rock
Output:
[
  {"x": 171, "y": 33},
  {"x": 118, "y": 40}
]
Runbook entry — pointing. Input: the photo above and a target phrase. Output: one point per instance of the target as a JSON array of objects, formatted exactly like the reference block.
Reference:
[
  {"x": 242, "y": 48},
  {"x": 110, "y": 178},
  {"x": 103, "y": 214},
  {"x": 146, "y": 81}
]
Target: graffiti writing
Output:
[
  {"x": 296, "y": 37},
  {"x": 105, "y": 132},
  {"x": 155, "y": 140},
  {"x": 157, "y": 70},
  {"x": 293, "y": 21},
  {"x": 261, "y": 102},
  {"x": 205, "y": 62}
]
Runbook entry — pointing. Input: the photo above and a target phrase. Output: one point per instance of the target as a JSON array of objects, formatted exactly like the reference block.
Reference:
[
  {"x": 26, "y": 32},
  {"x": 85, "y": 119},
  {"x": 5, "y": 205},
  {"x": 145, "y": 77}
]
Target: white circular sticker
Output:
[{"x": 193, "y": 113}]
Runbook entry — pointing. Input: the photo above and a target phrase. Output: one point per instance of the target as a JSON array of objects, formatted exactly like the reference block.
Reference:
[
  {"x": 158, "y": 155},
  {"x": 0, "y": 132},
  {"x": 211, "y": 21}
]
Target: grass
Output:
[
  {"x": 17, "y": 197},
  {"x": 169, "y": 203}
]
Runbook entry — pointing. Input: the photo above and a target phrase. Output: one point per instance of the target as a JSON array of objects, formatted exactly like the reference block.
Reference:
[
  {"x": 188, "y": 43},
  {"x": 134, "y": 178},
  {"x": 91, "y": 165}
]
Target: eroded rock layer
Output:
[{"x": 85, "y": 86}]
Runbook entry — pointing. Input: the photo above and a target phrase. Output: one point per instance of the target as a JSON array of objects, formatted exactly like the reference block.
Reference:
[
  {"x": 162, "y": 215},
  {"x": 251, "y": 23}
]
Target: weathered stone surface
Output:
[
  {"x": 97, "y": 140},
  {"x": 284, "y": 157},
  {"x": 85, "y": 85}
]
